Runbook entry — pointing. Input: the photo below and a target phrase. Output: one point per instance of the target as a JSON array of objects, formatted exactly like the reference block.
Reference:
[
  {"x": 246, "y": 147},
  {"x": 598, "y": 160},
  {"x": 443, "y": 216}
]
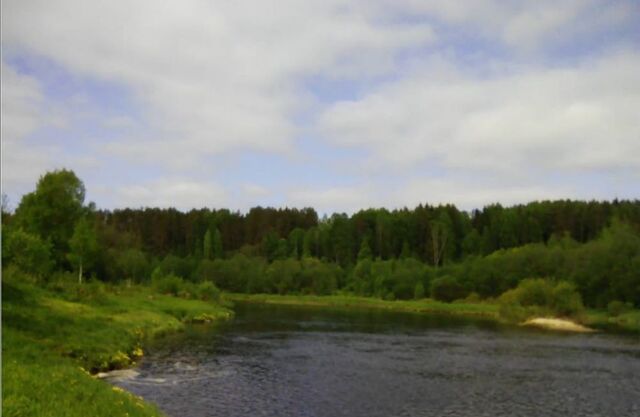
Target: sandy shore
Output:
[{"x": 558, "y": 324}]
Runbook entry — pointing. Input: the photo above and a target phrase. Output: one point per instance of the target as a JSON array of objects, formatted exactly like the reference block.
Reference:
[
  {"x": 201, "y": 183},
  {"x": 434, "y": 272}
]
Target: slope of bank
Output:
[
  {"x": 629, "y": 322},
  {"x": 52, "y": 340}
]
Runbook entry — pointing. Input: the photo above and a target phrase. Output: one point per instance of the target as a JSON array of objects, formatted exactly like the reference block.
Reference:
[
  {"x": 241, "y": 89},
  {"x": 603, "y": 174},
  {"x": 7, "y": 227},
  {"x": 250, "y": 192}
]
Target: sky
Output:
[{"x": 336, "y": 105}]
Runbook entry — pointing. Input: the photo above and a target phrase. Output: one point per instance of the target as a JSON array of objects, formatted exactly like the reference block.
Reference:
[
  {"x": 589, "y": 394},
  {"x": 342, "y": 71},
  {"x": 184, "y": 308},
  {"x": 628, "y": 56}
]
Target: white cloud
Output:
[
  {"x": 255, "y": 191},
  {"x": 213, "y": 76},
  {"x": 335, "y": 199},
  {"x": 21, "y": 102},
  {"x": 548, "y": 119},
  {"x": 524, "y": 24},
  {"x": 23, "y": 105},
  {"x": 468, "y": 194},
  {"x": 182, "y": 194}
]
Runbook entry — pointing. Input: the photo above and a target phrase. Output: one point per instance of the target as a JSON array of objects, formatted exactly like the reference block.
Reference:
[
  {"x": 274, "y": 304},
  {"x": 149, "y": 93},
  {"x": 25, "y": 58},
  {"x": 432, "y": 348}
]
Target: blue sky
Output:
[{"x": 330, "y": 104}]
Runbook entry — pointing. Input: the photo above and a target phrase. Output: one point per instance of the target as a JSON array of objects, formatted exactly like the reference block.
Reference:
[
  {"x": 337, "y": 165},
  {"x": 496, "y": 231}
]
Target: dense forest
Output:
[{"x": 437, "y": 251}]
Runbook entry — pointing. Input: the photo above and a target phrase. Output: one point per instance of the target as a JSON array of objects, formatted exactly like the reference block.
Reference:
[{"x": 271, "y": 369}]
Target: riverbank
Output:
[
  {"x": 628, "y": 322},
  {"x": 54, "y": 339},
  {"x": 489, "y": 310}
]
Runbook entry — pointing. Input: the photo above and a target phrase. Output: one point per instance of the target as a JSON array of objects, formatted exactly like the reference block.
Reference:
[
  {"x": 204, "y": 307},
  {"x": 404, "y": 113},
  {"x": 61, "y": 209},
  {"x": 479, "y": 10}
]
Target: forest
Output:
[{"x": 427, "y": 251}]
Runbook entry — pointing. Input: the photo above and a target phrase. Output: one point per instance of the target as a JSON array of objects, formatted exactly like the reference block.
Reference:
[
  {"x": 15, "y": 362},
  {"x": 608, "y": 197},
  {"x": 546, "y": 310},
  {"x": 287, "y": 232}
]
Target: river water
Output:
[{"x": 293, "y": 361}]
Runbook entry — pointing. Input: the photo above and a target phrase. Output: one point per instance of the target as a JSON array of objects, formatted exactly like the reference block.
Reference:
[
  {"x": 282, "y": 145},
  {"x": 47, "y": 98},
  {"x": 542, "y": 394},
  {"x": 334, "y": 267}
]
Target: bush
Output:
[
  {"x": 566, "y": 301},
  {"x": 539, "y": 297},
  {"x": 168, "y": 284},
  {"x": 207, "y": 291},
  {"x": 616, "y": 308},
  {"x": 27, "y": 251},
  {"x": 447, "y": 289},
  {"x": 535, "y": 292},
  {"x": 418, "y": 292}
]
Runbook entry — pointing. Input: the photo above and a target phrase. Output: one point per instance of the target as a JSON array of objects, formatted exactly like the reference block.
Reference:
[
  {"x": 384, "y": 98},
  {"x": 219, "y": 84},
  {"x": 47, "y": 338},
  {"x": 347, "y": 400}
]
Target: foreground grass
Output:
[
  {"x": 52, "y": 340},
  {"x": 628, "y": 322}
]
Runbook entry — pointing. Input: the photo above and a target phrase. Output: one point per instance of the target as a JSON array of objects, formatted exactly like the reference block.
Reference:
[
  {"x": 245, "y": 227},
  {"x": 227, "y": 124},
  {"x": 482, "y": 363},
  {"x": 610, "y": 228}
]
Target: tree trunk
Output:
[{"x": 80, "y": 274}]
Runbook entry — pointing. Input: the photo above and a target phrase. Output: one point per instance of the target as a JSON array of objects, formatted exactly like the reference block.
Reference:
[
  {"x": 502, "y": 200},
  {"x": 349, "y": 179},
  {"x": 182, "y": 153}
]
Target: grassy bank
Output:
[
  {"x": 418, "y": 306},
  {"x": 628, "y": 322},
  {"x": 52, "y": 339}
]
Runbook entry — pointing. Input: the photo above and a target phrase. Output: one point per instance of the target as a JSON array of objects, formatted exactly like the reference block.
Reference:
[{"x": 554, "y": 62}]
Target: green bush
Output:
[
  {"x": 616, "y": 308},
  {"x": 540, "y": 297},
  {"x": 566, "y": 301},
  {"x": 168, "y": 284},
  {"x": 207, "y": 291},
  {"x": 447, "y": 289},
  {"x": 535, "y": 292},
  {"x": 26, "y": 251}
]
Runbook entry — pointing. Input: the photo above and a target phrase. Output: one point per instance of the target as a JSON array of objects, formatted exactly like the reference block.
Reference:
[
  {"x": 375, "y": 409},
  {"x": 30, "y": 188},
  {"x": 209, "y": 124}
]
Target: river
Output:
[{"x": 294, "y": 361}]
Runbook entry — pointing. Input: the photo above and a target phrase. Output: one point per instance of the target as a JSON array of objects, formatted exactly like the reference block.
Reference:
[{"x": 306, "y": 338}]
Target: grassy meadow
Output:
[{"x": 54, "y": 338}]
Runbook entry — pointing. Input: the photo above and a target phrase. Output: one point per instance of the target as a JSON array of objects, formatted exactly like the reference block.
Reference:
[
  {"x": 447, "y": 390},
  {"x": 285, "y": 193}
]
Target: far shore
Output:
[{"x": 594, "y": 320}]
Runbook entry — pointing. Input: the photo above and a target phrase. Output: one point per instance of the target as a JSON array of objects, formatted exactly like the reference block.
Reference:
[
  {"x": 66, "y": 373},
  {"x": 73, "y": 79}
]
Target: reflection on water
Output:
[{"x": 288, "y": 361}]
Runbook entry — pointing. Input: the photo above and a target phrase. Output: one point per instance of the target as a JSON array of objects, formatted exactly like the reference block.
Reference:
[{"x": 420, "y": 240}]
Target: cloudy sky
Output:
[{"x": 331, "y": 104}]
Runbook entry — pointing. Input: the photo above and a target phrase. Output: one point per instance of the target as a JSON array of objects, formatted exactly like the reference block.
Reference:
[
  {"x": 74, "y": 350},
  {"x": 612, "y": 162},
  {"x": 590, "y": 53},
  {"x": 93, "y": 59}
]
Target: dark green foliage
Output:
[
  {"x": 447, "y": 288},
  {"x": 207, "y": 246},
  {"x": 207, "y": 291},
  {"x": 418, "y": 292},
  {"x": 174, "y": 265},
  {"x": 168, "y": 284},
  {"x": 541, "y": 297},
  {"x": 133, "y": 265},
  {"x": 616, "y": 308},
  {"x": 365, "y": 250},
  {"x": 26, "y": 251},
  {"x": 52, "y": 210}
]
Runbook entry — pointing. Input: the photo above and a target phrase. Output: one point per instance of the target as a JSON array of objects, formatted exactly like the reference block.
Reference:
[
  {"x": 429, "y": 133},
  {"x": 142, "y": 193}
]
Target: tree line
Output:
[{"x": 405, "y": 253}]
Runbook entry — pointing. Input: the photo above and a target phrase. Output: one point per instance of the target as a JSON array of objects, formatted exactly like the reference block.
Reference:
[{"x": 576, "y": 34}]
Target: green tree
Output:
[
  {"x": 216, "y": 244},
  {"x": 52, "y": 210},
  {"x": 207, "y": 249},
  {"x": 441, "y": 238},
  {"x": 84, "y": 246},
  {"x": 365, "y": 250},
  {"x": 133, "y": 264},
  {"x": 26, "y": 251},
  {"x": 406, "y": 251},
  {"x": 310, "y": 243},
  {"x": 296, "y": 242}
]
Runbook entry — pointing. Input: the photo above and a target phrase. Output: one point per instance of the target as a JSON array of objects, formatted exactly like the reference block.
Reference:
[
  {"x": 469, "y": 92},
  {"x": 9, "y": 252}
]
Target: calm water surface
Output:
[{"x": 292, "y": 361}]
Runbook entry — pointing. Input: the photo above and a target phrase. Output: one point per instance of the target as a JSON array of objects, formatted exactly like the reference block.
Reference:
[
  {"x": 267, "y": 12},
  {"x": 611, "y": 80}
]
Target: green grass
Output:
[
  {"x": 53, "y": 340},
  {"x": 420, "y": 306},
  {"x": 628, "y": 322}
]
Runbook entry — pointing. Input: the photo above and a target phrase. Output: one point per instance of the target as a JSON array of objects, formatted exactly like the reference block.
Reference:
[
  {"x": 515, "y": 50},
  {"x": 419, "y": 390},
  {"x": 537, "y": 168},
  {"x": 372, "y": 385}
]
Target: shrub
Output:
[
  {"x": 168, "y": 284},
  {"x": 418, "y": 292},
  {"x": 566, "y": 301},
  {"x": 447, "y": 289},
  {"x": 616, "y": 308},
  {"x": 208, "y": 291},
  {"x": 26, "y": 251},
  {"x": 539, "y": 297},
  {"x": 535, "y": 292}
]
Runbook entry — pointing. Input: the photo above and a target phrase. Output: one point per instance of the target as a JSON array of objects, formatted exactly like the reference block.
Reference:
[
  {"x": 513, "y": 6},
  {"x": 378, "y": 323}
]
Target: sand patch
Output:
[{"x": 558, "y": 324}]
